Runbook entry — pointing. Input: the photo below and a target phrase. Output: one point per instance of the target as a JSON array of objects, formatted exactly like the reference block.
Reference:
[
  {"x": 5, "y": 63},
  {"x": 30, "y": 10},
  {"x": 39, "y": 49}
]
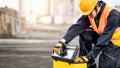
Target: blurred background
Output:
[
  {"x": 16, "y": 16},
  {"x": 29, "y": 30}
]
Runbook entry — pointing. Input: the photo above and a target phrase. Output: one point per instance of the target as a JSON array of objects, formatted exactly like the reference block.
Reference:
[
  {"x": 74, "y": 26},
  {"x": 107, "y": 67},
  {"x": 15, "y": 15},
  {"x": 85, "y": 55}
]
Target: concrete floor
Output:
[
  {"x": 25, "y": 56},
  {"x": 34, "y": 49}
]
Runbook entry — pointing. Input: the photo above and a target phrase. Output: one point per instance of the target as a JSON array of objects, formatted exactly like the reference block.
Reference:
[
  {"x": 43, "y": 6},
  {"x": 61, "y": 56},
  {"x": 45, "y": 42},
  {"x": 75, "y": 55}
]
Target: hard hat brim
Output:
[{"x": 86, "y": 13}]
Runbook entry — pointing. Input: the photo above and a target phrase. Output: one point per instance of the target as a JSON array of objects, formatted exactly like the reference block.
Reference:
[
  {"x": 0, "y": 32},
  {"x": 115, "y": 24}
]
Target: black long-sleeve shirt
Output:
[{"x": 113, "y": 21}]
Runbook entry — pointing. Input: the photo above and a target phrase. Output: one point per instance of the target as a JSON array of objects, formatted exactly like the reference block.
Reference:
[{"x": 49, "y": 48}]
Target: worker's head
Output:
[{"x": 89, "y": 7}]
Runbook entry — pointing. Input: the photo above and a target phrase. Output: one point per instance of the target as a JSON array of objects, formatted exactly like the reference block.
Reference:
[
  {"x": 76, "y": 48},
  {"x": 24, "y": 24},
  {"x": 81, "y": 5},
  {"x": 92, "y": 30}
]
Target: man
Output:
[{"x": 105, "y": 33}]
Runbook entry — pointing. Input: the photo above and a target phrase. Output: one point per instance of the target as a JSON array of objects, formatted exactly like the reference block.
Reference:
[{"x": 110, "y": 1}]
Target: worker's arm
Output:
[
  {"x": 73, "y": 31},
  {"x": 77, "y": 28},
  {"x": 104, "y": 39}
]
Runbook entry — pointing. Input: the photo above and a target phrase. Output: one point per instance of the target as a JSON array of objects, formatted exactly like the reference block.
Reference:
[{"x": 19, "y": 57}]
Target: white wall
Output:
[
  {"x": 10, "y": 3},
  {"x": 112, "y": 2}
]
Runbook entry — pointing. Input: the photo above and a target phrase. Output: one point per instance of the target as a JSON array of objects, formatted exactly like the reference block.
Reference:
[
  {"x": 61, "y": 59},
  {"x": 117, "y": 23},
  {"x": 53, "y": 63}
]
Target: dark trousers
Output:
[
  {"x": 109, "y": 57},
  {"x": 86, "y": 40}
]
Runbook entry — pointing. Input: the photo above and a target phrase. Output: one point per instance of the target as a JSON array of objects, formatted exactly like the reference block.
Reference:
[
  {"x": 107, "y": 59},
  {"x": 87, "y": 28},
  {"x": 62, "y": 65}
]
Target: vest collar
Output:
[{"x": 101, "y": 10}]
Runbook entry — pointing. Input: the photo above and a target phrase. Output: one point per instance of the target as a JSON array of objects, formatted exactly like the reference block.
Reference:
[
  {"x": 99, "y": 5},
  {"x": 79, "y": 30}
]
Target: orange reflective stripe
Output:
[
  {"x": 92, "y": 21},
  {"x": 118, "y": 38},
  {"x": 103, "y": 20},
  {"x": 116, "y": 42}
]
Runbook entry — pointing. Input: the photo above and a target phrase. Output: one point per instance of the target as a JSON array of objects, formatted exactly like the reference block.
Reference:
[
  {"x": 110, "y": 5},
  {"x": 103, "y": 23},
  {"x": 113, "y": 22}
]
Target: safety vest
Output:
[{"x": 103, "y": 22}]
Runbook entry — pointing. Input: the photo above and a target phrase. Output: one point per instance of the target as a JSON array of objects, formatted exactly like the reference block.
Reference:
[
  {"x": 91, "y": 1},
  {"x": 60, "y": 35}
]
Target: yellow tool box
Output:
[
  {"x": 67, "y": 61},
  {"x": 62, "y": 64}
]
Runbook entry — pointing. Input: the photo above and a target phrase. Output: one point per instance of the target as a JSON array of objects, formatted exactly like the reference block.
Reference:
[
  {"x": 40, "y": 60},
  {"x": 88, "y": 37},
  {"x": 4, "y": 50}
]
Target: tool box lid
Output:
[{"x": 69, "y": 57}]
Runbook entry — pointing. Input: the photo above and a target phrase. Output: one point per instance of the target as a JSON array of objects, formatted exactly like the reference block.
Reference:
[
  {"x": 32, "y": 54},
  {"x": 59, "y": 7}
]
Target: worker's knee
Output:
[
  {"x": 118, "y": 64},
  {"x": 92, "y": 65},
  {"x": 108, "y": 61}
]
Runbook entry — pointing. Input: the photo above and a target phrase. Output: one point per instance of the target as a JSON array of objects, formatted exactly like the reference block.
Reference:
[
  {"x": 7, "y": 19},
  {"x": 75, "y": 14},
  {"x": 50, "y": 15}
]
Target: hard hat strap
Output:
[{"x": 96, "y": 7}]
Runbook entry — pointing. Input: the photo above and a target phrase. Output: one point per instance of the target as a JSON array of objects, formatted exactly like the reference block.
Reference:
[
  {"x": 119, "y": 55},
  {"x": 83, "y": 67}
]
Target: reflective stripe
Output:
[
  {"x": 109, "y": 56},
  {"x": 103, "y": 20},
  {"x": 102, "y": 23},
  {"x": 116, "y": 35},
  {"x": 116, "y": 42},
  {"x": 117, "y": 38}
]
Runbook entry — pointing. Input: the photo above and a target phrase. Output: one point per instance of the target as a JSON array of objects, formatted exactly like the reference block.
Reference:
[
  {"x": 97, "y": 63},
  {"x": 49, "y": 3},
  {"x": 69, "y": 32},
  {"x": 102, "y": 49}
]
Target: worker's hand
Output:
[
  {"x": 81, "y": 59},
  {"x": 60, "y": 44},
  {"x": 57, "y": 48}
]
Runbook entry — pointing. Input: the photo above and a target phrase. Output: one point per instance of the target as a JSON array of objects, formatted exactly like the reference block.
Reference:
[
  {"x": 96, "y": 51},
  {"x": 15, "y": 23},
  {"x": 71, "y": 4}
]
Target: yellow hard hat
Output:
[{"x": 86, "y": 6}]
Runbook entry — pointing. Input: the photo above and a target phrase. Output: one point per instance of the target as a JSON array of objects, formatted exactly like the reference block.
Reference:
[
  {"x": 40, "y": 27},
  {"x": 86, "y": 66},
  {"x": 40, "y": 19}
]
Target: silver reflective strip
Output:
[{"x": 110, "y": 56}]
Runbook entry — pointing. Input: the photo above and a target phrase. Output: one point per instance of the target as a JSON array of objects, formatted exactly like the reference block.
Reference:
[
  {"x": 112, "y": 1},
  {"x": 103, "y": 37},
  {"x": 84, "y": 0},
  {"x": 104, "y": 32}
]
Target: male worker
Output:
[{"x": 105, "y": 23}]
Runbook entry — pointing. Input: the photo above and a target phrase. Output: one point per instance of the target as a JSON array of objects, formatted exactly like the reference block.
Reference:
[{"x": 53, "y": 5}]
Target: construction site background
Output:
[
  {"x": 38, "y": 19},
  {"x": 14, "y": 26},
  {"x": 29, "y": 30},
  {"x": 11, "y": 24}
]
